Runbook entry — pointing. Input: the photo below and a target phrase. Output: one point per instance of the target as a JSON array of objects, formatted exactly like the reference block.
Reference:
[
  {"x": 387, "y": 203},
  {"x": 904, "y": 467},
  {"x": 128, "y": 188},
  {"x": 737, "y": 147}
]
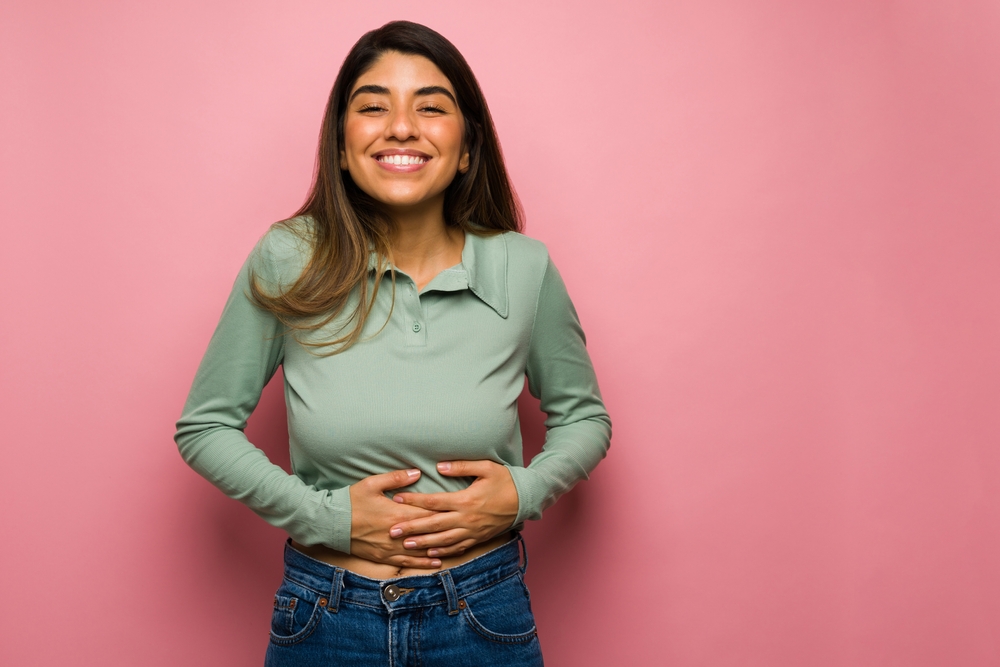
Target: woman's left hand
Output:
[{"x": 464, "y": 518}]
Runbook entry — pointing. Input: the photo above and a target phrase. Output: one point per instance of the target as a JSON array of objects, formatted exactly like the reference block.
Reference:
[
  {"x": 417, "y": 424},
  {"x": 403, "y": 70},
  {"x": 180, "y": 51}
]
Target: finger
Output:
[
  {"x": 391, "y": 480},
  {"x": 433, "y": 524},
  {"x": 438, "y": 502},
  {"x": 445, "y": 538},
  {"x": 396, "y": 513},
  {"x": 480, "y": 468},
  {"x": 454, "y": 550}
]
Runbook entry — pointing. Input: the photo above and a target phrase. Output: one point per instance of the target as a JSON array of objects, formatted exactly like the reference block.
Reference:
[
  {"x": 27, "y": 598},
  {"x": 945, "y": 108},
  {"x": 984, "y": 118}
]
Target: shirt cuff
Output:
[
  {"x": 339, "y": 504},
  {"x": 532, "y": 492}
]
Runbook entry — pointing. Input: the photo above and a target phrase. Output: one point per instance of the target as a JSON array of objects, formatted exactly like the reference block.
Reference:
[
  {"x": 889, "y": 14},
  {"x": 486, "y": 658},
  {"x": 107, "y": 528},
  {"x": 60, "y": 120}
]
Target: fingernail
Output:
[
  {"x": 444, "y": 466},
  {"x": 396, "y": 532},
  {"x": 413, "y": 472},
  {"x": 432, "y": 552},
  {"x": 398, "y": 499},
  {"x": 435, "y": 563},
  {"x": 410, "y": 544}
]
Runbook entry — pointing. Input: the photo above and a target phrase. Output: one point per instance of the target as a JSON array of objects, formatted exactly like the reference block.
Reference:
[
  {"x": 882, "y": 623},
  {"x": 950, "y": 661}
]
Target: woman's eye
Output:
[
  {"x": 432, "y": 109},
  {"x": 370, "y": 107}
]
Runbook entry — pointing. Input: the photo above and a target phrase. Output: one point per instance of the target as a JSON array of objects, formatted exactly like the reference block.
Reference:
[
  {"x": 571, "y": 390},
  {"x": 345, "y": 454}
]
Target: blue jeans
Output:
[{"x": 474, "y": 614}]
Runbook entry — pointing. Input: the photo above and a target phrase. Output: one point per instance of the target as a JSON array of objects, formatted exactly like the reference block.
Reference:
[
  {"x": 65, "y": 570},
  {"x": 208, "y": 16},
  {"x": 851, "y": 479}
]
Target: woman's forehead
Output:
[{"x": 402, "y": 73}]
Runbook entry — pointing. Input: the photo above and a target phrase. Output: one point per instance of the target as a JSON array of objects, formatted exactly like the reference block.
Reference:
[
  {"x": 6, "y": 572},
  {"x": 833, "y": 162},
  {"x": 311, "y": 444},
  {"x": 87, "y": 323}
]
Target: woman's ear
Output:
[
  {"x": 463, "y": 163},
  {"x": 343, "y": 161}
]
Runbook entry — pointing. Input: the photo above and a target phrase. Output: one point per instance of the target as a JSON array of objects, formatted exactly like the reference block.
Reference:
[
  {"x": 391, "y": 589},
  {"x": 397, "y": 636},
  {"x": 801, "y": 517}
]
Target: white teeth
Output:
[{"x": 401, "y": 159}]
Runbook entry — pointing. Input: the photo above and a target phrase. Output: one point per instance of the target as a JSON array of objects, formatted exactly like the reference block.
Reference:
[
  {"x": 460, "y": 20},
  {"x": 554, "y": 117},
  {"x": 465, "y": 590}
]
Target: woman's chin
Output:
[{"x": 408, "y": 202}]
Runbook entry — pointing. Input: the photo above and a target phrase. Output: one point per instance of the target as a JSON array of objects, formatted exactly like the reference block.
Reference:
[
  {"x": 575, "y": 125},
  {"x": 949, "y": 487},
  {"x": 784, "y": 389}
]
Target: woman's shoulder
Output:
[
  {"x": 531, "y": 248},
  {"x": 283, "y": 252},
  {"x": 525, "y": 253},
  {"x": 528, "y": 261},
  {"x": 289, "y": 237}
]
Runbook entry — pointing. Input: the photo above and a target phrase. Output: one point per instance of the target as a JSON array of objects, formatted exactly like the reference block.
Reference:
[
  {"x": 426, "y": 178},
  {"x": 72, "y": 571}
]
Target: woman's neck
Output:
[{"x": 423, "y": 245}]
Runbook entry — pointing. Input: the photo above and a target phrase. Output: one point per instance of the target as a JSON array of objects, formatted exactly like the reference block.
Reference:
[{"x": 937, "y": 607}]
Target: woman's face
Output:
[{"x": 403, "y": 133}]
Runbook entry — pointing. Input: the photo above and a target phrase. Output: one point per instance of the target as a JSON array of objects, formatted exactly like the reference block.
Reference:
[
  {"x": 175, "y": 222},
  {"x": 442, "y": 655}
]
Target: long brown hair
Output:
[{"x": 347, "y": 224}]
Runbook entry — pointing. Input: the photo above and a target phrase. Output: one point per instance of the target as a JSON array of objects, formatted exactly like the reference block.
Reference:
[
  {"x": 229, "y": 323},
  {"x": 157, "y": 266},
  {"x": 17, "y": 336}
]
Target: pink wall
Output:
[{"x": 780, "y": 222}]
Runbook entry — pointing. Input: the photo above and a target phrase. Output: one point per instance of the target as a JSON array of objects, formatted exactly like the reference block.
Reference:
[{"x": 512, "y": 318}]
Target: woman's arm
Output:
[
  {"x": 561, "y": 375},
  {"x": 244, "y": 353}
]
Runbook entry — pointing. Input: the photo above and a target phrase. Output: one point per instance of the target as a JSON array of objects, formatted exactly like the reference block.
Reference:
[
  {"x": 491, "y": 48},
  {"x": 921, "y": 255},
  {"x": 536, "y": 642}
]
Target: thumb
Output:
[{"x": 392, "y": 480}]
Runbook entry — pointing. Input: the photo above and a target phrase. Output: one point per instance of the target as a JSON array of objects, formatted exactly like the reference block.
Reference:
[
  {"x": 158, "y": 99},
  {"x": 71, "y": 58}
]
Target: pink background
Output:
[{"x": 779, "y": 222}]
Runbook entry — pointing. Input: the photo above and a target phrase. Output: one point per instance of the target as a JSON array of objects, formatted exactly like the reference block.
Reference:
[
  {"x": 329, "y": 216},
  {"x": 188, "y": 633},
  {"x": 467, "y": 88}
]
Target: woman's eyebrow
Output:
[
  {"x": 436, "y": 90},
  {"x": 369, "y": 88},
  {"x": 382, "y": 90}
]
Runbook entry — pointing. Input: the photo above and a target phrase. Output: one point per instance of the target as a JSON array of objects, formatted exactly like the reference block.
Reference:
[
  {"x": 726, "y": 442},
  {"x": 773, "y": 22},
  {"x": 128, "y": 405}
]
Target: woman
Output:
[{"x": 405, "y": 309}]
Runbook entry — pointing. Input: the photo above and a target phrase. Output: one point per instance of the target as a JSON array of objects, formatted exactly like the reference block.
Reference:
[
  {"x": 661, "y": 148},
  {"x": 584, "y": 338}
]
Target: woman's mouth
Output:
[
  {"x": 401, "y": 163},
  {"x": 401, "y": 159}
]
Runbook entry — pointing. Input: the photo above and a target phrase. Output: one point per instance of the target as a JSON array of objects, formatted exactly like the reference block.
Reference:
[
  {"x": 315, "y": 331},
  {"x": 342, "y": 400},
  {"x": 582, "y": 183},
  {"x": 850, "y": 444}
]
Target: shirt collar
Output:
[{"x": 485, "y": 261}]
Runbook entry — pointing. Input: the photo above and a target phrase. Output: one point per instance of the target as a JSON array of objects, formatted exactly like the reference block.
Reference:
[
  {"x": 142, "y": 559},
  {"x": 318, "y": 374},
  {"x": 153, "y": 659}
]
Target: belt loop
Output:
[
  {"x": 449, "y": 591},
  {"x": 335, "y": 589},
  {"x": 524, "y": 553}
]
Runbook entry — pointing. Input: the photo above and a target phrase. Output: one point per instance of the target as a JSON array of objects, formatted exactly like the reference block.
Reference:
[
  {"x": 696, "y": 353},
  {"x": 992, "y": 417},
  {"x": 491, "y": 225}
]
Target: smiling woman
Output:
[
  {"x": 404, "y": 140},
  {"x": 406, "y": 310}
]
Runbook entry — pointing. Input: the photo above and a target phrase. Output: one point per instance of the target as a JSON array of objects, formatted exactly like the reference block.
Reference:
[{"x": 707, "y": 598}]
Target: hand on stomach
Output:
[{"x": 421, "y": 533}]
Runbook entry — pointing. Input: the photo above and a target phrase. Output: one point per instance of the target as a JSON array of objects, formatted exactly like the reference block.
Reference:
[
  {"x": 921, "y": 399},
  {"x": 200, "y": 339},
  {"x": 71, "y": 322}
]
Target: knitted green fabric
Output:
[{"x": 438, "y": 382}]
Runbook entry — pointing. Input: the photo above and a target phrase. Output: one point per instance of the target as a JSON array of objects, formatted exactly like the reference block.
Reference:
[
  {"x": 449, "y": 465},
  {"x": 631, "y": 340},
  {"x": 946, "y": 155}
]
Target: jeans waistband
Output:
[{"x": 445, "y": 587}]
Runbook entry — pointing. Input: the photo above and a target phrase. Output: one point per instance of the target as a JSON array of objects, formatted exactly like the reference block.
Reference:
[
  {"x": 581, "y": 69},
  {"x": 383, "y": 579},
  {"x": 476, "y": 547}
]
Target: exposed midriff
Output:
[{"x": 373, "y": 570}]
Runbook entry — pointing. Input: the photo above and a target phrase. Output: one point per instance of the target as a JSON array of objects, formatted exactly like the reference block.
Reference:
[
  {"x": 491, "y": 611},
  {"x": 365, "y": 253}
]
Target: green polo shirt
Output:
[{"x": 436, "y": 377}]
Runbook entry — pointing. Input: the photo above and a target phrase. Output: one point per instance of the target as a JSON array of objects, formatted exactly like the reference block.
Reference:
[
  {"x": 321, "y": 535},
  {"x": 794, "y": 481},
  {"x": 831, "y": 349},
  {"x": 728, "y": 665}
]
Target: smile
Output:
[{"x": 401, "y": 159}]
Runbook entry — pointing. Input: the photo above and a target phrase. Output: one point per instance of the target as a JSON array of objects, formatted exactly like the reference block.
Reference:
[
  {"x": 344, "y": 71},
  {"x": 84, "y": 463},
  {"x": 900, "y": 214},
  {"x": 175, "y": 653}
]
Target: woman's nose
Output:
[{"x": 402, "y": 125}]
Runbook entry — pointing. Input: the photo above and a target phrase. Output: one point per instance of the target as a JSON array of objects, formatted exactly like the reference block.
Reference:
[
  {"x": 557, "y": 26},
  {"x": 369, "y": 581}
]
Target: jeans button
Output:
[{"x": 391, "y": 592}]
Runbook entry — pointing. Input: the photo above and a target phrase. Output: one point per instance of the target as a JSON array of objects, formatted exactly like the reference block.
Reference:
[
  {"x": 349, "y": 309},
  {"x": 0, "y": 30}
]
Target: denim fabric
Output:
[{"x": 475, "y": 614}]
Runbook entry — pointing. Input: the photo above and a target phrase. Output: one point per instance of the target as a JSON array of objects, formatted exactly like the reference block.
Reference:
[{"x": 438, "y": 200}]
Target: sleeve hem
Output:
[
  {"x": 340, "y": 504},
  {"x": 531, "y": 494}
]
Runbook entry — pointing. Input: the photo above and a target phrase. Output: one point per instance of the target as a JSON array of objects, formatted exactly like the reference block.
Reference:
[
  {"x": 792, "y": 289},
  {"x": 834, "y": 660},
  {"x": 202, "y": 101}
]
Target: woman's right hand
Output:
[{"x": 372, "y": 514}]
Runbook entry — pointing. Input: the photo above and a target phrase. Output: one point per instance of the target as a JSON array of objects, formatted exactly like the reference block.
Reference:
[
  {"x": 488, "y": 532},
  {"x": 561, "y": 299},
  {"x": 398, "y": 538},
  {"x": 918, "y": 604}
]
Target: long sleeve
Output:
[
  {"x": 244, "y": 353},
  {"x": 560, "y": 374}
]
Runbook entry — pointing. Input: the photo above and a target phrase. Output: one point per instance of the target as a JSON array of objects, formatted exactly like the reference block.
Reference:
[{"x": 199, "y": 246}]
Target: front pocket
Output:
[
  {"x": 296, "y": 614},
  {"x": 502, "y": 612}
]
